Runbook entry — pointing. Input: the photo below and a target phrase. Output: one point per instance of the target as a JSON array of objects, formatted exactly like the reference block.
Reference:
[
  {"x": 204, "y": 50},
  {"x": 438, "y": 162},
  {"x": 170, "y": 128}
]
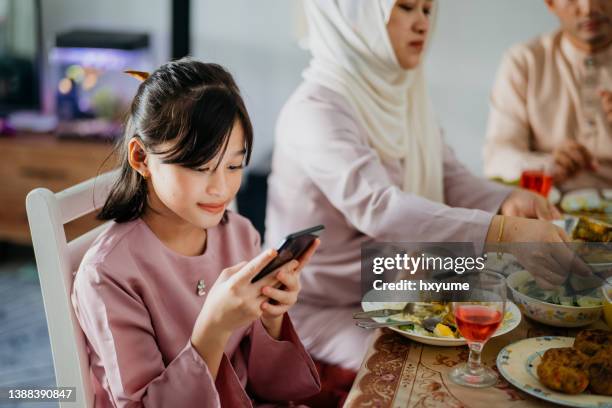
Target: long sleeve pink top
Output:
[
  {"x": 325, "y": 172},
  {"x": 136, "y": 301}
]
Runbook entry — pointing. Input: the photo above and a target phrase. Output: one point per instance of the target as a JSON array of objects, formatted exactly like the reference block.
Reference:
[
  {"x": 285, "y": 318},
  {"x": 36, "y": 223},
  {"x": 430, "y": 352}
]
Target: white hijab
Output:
[{"x": 352, "y": 55}]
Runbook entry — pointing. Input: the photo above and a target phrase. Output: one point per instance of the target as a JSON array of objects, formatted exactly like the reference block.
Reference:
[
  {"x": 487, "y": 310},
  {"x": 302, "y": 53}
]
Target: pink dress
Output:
[
  {"x": 136, "y": 301},
  {"x": 325, "y": 172}
]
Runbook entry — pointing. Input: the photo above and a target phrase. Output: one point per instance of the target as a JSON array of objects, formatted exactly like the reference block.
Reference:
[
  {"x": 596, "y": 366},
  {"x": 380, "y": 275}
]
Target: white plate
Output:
[
  {"x": 587, "y": 199},
  {"x": 518, "y": 363},
  {"x": 567, "y": 223},
  {"x": 554, "y": 195},
  {"x": 512, "y": 319}
]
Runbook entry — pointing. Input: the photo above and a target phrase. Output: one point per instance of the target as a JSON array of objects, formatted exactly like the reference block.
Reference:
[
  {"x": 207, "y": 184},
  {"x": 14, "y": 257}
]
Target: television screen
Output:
[{"x": 19, "y": 55}]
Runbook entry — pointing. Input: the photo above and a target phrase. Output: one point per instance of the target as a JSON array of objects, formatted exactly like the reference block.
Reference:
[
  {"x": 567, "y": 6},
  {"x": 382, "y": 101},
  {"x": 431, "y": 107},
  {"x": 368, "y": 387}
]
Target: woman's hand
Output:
[
  {"x": 540, "y": 247},
  {"x": 285, "y": 295},
  {"x": 524, "y": 203}
]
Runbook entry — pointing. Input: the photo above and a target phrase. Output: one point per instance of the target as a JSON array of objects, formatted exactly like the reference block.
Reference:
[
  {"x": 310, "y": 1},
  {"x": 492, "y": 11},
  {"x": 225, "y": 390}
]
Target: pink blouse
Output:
[
  {"x": 136, "y": 301},
  {"x": 324, "y": 171}
]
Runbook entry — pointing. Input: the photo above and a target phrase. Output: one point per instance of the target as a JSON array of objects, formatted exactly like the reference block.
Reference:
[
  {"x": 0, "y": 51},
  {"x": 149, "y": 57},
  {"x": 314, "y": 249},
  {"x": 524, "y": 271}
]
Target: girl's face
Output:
[
  {"x": 200, "y": 196},
  {"x": 408, "y": 27}
]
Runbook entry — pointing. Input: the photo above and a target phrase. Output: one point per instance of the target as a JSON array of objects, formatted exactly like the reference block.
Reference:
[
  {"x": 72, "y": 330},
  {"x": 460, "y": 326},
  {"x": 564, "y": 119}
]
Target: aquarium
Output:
[{"x": 92, "y": 92}]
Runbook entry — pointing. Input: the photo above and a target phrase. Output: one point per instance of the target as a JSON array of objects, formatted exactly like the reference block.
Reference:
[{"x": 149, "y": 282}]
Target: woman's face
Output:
[
  {"x": 200, "y": 196},
  {"x": 408, "y": 27}
]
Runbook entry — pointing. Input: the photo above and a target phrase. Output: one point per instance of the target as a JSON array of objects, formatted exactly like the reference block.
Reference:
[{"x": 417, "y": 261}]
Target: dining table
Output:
[{"x": 398, "y": 372}]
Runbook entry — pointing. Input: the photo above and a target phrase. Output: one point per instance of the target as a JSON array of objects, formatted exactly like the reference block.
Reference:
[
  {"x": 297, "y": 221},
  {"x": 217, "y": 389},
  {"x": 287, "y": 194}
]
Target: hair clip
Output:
[{"x": 139, "y": 75}]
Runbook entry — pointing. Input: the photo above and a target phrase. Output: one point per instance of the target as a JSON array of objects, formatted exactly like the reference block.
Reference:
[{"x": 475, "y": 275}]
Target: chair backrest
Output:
[{"x": 57, "y": 261}]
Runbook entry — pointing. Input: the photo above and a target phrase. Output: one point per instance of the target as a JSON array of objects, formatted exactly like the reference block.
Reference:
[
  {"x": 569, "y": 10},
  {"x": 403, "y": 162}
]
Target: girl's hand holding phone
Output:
[
  {"x": 232, "y": 302},
  {"x": 286, "y": 295}
]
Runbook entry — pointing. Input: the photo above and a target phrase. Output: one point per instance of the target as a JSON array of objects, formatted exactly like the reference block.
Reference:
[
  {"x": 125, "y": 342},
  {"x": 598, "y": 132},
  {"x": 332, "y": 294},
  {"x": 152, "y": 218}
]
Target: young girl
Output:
[{"x": 164, "y": 296}]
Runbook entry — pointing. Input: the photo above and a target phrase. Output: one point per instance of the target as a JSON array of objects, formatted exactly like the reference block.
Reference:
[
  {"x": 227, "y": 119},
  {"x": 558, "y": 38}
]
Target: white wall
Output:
[
  {"x": 470, "y": 38},
  {"x": 256, "y": 41}
]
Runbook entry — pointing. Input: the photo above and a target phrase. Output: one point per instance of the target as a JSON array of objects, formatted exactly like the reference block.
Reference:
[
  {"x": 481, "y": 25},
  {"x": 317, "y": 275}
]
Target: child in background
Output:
[{"x": 164, "y": 296}]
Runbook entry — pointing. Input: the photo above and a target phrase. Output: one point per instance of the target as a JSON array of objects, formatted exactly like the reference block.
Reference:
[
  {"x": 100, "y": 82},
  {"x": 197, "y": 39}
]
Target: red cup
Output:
[{"x": 537, "y": 180}]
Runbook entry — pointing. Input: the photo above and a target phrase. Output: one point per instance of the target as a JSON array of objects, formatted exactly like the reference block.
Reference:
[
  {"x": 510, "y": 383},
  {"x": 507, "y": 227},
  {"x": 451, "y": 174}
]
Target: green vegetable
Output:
[
  {"x": 588, "y": 301},
  {"x": 559, "y": 295}
]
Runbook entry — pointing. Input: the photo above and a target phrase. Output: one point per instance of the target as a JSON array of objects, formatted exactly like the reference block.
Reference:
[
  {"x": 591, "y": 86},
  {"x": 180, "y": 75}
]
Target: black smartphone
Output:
[{"x": 292, "y": 248}]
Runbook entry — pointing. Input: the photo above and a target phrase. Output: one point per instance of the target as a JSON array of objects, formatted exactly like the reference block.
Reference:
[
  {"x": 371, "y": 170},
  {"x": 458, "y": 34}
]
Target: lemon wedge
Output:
[{"x": 442, "y": 330}]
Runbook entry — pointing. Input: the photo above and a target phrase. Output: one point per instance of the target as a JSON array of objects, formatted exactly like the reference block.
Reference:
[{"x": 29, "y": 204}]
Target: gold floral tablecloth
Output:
[{"x": 400, "y": 373}]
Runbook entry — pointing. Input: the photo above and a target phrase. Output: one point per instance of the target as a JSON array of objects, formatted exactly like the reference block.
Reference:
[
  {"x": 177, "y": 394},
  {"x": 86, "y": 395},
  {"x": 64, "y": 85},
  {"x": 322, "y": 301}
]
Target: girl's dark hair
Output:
[{"x": 190, "y": 103}]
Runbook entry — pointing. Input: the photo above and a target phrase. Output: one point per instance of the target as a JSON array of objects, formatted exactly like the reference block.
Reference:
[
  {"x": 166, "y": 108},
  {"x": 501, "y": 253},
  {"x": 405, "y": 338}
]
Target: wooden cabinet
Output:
[{"x": 28, "y": 161}]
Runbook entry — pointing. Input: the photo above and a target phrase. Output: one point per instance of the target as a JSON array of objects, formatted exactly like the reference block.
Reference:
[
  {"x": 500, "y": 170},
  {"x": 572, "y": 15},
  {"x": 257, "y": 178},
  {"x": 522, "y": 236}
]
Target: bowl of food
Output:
[{"x": 555, "y": 307}]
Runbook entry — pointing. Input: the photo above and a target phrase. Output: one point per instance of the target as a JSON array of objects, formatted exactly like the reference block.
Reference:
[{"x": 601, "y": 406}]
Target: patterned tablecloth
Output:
[{"x": 400, "y": 373}]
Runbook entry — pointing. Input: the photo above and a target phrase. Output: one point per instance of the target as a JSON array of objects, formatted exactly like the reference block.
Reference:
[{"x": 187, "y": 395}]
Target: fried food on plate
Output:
[
  {"x": 591, "y": 341},
  {"x": 600, "y": 372},
  {"x": 564, "y": 369}
]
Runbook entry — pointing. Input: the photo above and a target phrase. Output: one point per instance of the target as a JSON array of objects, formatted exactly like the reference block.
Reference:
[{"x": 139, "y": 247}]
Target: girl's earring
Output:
[{"x": 144, "y": 175}]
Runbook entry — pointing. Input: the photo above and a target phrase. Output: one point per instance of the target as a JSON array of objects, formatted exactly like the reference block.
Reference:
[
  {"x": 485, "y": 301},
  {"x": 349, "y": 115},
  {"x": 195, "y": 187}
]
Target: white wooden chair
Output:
[{"x": 57, "y": 261}]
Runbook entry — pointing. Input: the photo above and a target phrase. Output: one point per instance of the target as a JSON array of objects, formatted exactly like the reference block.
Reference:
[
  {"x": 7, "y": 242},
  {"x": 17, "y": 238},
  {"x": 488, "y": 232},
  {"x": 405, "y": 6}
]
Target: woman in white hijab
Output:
[{"x": 358, "y": 149}]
